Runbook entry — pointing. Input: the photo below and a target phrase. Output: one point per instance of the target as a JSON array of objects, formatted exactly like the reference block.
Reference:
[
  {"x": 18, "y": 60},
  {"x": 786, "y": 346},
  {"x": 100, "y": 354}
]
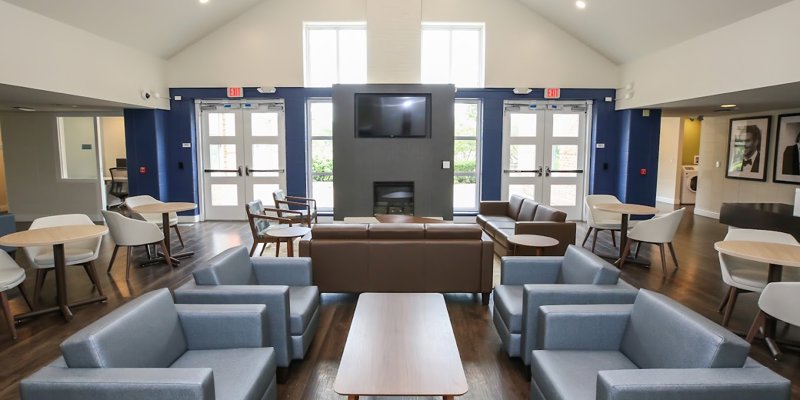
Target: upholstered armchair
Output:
[
  {"x": 151, "y": 348},
  {"x": 655, "y": 349},
  {"x": 526, "y": 283},
  {"x": 282, "y": 284}
]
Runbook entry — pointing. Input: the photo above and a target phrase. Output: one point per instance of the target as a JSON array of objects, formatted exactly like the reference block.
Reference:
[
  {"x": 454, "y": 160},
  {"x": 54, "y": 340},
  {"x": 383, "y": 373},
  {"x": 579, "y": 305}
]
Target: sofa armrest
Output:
[
  {"x": 224, "y": 326},
  {"x": 692, "y": 384},
  {"x": 304, "y": 245},
  {"x": 582, "y": 327},
  {"x": 54, "y": 383},
  {"x": 493, "y": 208},
  {"x": 294, "y": 271},
  {"x": 520, "y": 270},
  {"x": 535, "y": 296}
]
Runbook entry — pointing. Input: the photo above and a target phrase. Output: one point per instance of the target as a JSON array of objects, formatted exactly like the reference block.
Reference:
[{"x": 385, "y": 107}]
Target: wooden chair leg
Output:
[
  {"x": 24, "y": 293},
  {"x": 672, "y": 251},
  {"x": 167, "y": 257},
  {"x": 113, "y": 256},
  {"x": 758, "y": 322},
  {"x": 89, "y": 273},
  {"x": 594, "y": 239},
  {"x": 625, "y": 251},
  {"x": 725, "y": 299},
  {"x": 93, "y": 275},
  {"x": 638, "y": 247},
  {"x": 178, "y": 232},
  {"x": 732, "y": 295},
  {"x": 253, "y": 249},
  {"x": 613, "y": 238},
  {"x": 263, "y": 248},
  {"x": 9, "y": 316},
  {"x": 588, "y": 232},
  {"x": 37, "y": 286},
  {"x": 128, "y": 263},
  {"x": 663, "y": 258}
]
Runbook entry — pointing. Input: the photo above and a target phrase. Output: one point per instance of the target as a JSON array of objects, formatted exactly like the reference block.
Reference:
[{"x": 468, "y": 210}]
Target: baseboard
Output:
[
  {"x": 668, "y": 200},
  {"x": 188, "y": 219},
  {"x": 706, "y": 213}
]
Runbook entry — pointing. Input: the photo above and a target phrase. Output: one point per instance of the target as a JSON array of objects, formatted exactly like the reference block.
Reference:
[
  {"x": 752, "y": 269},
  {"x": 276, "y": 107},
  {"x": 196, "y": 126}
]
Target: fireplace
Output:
[{"x": 393, "y": 198}]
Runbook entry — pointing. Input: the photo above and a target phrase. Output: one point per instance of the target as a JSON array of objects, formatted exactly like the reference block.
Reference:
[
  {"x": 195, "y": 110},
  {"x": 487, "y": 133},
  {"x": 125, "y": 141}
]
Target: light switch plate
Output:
[
  {"x": 187, "y": 145},
  {"x": 445, "y": 164}
]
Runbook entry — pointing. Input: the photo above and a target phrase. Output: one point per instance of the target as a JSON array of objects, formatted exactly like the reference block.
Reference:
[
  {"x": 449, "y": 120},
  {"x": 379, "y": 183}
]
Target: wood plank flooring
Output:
[{"x": 490, "y": 373}]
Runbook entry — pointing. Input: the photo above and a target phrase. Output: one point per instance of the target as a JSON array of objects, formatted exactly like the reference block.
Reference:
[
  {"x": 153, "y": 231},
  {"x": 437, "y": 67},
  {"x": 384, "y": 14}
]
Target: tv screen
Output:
[{"x": 392, "y": 115}]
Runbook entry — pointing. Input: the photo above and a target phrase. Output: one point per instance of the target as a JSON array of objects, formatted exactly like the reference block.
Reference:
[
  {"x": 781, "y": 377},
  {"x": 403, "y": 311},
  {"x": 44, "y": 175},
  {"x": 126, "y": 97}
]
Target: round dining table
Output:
[
  {"x": 625, "y": 210},
  {"x": 165, "y": 209},
  {"x": 778, "y": 256},
  {"x": 57, "y": 237}
]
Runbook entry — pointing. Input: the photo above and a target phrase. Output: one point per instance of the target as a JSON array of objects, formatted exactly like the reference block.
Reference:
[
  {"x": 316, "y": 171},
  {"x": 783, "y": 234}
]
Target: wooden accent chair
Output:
[
  {"x": 261, "y": 220},
  {"x": 284, "y": 202}
]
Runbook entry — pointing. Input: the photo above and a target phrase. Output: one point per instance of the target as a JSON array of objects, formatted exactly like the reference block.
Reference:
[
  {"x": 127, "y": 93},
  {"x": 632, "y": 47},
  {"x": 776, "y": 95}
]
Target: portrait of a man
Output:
[
  {"x": 787, "y": 150},
  {"x": 747, "y": 152}
]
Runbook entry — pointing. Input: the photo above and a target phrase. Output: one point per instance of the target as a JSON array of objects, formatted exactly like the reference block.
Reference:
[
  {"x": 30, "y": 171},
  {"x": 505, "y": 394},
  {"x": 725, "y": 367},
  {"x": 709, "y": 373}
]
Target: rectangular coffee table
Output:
[{"x": 401, "y": 344}]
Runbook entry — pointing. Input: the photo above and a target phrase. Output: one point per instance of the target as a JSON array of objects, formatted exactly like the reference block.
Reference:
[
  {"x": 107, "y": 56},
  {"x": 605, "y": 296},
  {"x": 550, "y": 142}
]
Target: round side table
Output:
[{"x": 537, "y": 242}]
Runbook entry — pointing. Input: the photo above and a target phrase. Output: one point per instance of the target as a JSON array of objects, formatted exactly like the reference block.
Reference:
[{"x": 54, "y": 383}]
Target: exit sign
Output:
[
  {"x": 552, "y": 93},
  {"x": 235, "y": 92}
]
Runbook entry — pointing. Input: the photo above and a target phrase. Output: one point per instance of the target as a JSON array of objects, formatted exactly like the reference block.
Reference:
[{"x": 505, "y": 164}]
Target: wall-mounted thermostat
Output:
[
  {"x": 445, "y": 164},
  {"x": 187, "y": 145}
]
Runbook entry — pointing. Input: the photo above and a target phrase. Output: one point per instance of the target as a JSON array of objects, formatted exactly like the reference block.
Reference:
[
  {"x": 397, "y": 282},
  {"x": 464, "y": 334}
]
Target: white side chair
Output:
[
  {"x": 598, "y": 220},
  {"x": 130, "y": 232},
  {"x": 135, "y": 201},
  {"x": 658, "y": 230},
  {"x": 82, "y": 252},
  {"x": 11, "y": 276},
  {"x": 778, "y": 300},
  {"x": 743, "y": 276}
]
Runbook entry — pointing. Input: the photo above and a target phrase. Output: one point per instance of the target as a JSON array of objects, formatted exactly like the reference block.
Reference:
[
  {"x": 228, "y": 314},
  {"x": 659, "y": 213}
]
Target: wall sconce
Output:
[{"x": 522, "y": 91}]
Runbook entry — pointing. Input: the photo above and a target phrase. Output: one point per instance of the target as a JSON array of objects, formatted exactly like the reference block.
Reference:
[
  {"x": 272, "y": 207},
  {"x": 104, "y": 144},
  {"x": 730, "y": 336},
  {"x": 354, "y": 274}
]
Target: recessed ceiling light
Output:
[
  {"x": 27, "y": 109},
  {"x": 728, "y": 106},
  {"x": 203, "y": 1},
  {"x": 580, "y": 4}
]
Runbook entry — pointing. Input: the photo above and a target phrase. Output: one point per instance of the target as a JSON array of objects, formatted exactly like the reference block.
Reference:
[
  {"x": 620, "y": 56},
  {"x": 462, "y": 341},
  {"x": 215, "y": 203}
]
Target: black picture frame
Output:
[
  {"x": 787, "y": 136},
  {"x": 737, "y": 134}
]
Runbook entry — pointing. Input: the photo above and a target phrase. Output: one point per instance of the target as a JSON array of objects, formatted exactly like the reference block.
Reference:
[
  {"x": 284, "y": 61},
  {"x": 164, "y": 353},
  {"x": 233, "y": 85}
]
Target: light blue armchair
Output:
[
  {"x": 284, "y": 285},
  {"x": 655, "y": 349},
  {"x": 526, "y": 283},
  {"x": 151, "y": 348}
]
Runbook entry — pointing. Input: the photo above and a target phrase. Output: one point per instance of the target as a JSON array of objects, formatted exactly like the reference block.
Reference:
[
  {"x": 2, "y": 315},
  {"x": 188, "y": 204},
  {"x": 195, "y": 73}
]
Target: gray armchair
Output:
[
  {"x": 526, "y": 283},
  {"x": 655, "y": 349},
  {"x": 151, "y": 348},
  {"x": 282, "y": 284}
]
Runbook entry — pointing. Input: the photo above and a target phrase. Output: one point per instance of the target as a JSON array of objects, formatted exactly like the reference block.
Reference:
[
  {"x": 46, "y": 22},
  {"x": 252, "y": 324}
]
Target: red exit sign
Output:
[
  {"x": 552, "y": 93},
  {"x": 235, "y": 92}
]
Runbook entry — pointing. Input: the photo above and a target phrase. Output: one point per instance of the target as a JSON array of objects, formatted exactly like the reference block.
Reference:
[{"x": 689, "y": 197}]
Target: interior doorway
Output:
[{"x": 678, "y": 158}]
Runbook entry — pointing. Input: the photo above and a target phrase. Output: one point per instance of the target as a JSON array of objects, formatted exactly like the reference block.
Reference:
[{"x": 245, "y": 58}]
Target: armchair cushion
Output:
[
  {"x": 566, "y": 375},
  {"x": 238, "y": 373},
  {"x": 224, "y": 326},
  {"x": 72, "y": 255},
  {"x": 508, "y": 303},
  {"x": 581, "y": 266},
  {"x": 295, "y": 271},
  {"x": 530, "y": 270},
  {"x": 257, "y": 208},
  {"x": 231, "y": 267},
  {"x": 303, "y": 303}
]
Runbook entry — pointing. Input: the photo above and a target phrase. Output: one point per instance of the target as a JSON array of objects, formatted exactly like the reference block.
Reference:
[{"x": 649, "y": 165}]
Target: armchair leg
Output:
[
  {"x": 613, "y": 238},
  {"x": 588, "y": 232},
  {"x": 263, "y": 248},
  {"x": 277, "y": 247},
  {"x": 9, "y": 316},
  {"x": 24, "y": 293},
  {"x": 663, "y": 258},
  {"x": 625, "y": 251},
  {"x": 90, "y": 268},
  {"x": 594, "y": 239},
  {"x": 113, "y": 256},
  {"x": 672, "y": 251},
  {"x": 89, "y": 274},
  {"x": 128, "y": 264},
  {"x": 253, "y": 249},
  {"x": 758, "y": 322},
  {"x": 178, "y": 232},
  {"x": 485, "y": 298},
  {"x": 638, "y": 247},
  {"x": 732, "y": 296},
  {"x": 724, "y": 301},
  {"x": 41, "y": 274}
]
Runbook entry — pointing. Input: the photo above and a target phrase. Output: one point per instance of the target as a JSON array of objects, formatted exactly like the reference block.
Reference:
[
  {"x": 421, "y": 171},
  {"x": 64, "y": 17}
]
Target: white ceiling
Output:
[
  {"x": 779, "y": 97},
  {"x": 42, "y": 100},
  {"x": 623, "y": 30},
  {"x": 159, "y": 27}
]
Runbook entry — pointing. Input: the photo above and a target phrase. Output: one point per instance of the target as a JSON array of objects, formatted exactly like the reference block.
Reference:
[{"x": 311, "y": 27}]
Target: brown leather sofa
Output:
[
  {"x": 356, "y": 258},
  {"x": 521, "y": 215}
]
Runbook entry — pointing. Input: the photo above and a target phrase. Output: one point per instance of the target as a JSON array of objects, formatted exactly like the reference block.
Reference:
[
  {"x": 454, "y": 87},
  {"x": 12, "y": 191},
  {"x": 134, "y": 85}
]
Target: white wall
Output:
[
  {"x": 264, "y": 46},
  {"x": 713, "y": 188},
  {"x": 756, "y": 52},
  {"x": 35, "y": 189},
  {"x": 42, "y": 53},
  {"x": 669, "y": 156}
]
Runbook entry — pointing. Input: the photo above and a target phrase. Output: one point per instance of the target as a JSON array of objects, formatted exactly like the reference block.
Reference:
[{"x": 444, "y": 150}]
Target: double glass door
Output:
[
  {"x": 544, "y": 153},
  {"x": 243, "y": 155}
]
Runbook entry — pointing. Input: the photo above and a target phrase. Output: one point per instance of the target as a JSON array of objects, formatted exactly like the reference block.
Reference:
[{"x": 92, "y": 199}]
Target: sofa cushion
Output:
[
  {"x": 493, "y": 226},
  {"x": 582, "y": 267},
  {"x": 502, "y": 235},
  {"x": 545, "y": 213},
  {"x": 453, "y": 231},
  {"x": 514, "y": 205},
  {"x": 239, "y": 374},
  {"x": 527, "y": 210},
  {"x": 397, "y": 231},
  {"x": 340, "y": 231},
  {"x": 662, "y": 333},
  {"x": 508, "y": 302},
  {"x": 143, "y": 333},
  {"x": 303, "y": 302},
  {"x": 572, "y": 375},
  {"x": 484, "y": 220},
  {"x": 231, "y": 267}
]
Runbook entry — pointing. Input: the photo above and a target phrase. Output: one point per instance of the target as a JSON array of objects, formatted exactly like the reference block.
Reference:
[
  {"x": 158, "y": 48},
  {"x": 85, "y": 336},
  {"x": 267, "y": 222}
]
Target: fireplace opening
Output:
[{"x": 393, "y": 198}]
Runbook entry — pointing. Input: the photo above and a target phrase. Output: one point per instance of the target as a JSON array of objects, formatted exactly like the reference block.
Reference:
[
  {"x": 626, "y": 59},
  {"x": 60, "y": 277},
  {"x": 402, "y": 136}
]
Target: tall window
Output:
[
  {"x": 335, "y": 53},
  {"x": 466, "y": 165},
  {"x": 453, "y": 54},
  {"x": 320, "y": 143}
]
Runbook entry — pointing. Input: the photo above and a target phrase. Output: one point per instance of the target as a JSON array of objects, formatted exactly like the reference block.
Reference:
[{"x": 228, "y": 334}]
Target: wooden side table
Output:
[
  {"x": 537, "y": 242},
  {"x": 289, "y": 234}
]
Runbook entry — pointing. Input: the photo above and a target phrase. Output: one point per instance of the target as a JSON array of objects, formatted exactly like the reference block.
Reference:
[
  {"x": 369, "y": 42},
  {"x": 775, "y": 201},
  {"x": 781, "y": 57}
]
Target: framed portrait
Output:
[
  {"x": 748, "y": 147},
  {"x": 787, "y": 150}
]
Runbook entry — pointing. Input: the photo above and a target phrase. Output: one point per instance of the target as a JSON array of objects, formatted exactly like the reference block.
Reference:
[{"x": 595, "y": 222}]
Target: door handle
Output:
[
  {"x": 549, "y": 171},
  {"x": 265, "y": 170},
  {"x": 238, "y": 170},
  {"x": 524, "y": 171}
]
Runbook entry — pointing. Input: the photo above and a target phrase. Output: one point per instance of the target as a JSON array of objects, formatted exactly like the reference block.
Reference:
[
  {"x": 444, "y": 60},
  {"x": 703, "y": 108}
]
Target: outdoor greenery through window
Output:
[
  {"x": 453, "y": 53},
  {"x": 466, "y": 170},
  {"x": 320, "y": 133},
  {"x": 335, "y": 53}
]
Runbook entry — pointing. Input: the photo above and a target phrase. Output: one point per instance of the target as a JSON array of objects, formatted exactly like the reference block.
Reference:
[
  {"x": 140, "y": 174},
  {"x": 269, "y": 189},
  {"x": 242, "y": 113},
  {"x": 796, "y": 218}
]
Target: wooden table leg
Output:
[
  {"x": 165, "y": 228},
  {"x": 352, "y": 397},
  {"x": 448, "y": 397},
  {"x": 623, "y": 235},
  {"x": 290, "y": 247},
  {"x": 61, "y": 280},
  {"x": 537, "y": 251}
]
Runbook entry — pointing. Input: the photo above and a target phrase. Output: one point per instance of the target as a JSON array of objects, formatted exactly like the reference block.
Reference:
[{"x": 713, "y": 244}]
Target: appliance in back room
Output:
[{"x": 688, "y": 184}]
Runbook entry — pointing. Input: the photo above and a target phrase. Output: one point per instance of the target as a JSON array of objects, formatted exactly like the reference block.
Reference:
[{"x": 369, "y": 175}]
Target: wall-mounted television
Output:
[{"x": 381, "y": 115}]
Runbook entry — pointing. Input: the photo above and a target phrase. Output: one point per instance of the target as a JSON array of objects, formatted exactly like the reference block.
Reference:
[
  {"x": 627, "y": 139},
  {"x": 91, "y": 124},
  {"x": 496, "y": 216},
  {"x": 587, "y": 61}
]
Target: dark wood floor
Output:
[{"x": 491, "y": 374}]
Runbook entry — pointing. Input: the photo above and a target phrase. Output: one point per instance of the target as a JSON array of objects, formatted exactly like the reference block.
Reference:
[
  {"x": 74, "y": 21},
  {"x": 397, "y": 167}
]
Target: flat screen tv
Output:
[{"x": 380, "y": 115}]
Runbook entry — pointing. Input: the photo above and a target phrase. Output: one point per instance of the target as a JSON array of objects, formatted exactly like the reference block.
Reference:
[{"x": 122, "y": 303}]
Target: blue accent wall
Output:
[{"x": 155, "y": 138}]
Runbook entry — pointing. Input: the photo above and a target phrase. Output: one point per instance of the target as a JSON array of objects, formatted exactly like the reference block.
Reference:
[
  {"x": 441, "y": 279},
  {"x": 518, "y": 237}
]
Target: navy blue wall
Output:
[{"x": 154, "y": 139}]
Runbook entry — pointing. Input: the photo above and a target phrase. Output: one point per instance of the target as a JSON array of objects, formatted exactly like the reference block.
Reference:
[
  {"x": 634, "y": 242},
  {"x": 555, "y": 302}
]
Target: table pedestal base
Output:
[{"x": 63, "y": 309}]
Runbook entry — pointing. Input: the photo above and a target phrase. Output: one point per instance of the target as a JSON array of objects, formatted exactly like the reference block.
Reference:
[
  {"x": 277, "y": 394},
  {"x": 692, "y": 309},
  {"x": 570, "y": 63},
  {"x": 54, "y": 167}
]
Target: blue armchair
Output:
[
  {"x": 655, "y": 349},
  {"x": 526, "y": 283},
  {"x": 8, "y": 224},
  {"x": 284, "y": 285},
  {"x": 151, "y": 348}
]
